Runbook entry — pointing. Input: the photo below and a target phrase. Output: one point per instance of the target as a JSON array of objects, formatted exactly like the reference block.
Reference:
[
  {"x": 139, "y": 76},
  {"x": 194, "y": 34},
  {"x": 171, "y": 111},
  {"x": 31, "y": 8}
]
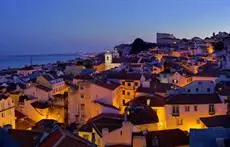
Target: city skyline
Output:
[{"x": 67, "y": 27}]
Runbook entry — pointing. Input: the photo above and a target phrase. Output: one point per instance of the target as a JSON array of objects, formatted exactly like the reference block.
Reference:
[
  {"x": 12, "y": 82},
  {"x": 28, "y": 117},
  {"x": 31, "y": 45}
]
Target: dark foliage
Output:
[{"x": 139, "y": 45}]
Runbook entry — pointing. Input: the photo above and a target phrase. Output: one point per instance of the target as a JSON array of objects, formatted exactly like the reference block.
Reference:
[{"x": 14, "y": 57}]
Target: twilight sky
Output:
[{"x": 67, "y": 26}]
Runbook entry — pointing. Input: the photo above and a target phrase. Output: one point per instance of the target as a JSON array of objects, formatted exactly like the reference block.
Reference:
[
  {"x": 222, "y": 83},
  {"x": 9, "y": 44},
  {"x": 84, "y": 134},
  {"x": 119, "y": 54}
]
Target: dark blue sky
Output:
[{"x": 60, "y": 26}]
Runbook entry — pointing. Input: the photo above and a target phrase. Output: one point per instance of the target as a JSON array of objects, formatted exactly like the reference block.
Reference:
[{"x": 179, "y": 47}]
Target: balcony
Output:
[
  {"x": 175, "y": 114},
  {"x": 212, "y": 112}
]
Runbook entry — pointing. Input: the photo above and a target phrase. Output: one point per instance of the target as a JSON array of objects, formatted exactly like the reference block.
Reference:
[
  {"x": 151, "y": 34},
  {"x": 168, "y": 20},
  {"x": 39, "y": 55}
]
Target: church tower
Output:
[{"x": 108, "y": 58}]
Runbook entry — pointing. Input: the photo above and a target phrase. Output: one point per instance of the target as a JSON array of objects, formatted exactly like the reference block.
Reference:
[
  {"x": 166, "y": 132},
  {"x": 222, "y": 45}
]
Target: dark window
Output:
[
  {"x": 82, "y": 107},
  {"x": 195, "y": 108},
  {"x": 189, "y": 90},
  {"x": 197, "y": 89},
  {"x": 175, "y": 110},
  {"x": 129, "y": 84},
  {"x": 187, "y": 108},
  {"x": 82, "y": 96},
  {"x": 199, "y": 83},
  {"x": 123, "y": 102},
  {"x": 136, "y": 83},
  {"x": 211, "y": 109},
  {"x": 123, "y": 92},
  {"x": 123, "y": 83},
  {"x": 107, "y": 58},
  {"x": 81, "y": 88},
  {"x": 179, "y": 121},
  {"x": 208, "y": 89},
  {"x": 128, "y": 93}
]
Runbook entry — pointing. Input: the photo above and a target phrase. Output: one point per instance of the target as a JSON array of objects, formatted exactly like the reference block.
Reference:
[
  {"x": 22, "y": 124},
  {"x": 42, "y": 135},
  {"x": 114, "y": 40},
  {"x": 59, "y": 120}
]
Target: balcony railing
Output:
[
  {"x": 175, "y": 114},
  {"x": 212, "y": 112}
]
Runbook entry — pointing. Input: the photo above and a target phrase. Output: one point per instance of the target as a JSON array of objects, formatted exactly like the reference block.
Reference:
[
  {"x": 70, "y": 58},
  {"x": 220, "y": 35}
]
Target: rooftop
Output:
[{"x": 193, "y": 99}]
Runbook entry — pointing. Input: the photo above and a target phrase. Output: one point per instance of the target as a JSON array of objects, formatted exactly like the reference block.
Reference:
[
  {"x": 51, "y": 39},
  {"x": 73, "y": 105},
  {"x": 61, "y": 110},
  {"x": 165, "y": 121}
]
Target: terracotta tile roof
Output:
[
  {"x": 139, "y": 115},
  {"x": 217, "y": 121},
  {"x": 52, "y": 139},
  {"x": 155, "y": 101},
  {"x": 104, "y": 120},
  {"x": 2, "y": 96},
  {"x": 168, "y": 138},
  {"x": 61, "y": 138},
  {"x": 106, "y": 105},
  {"x": 118, "y": 145},
  {"x": 193, "y": 99},
  {"x": 27, "y": 68},
  {"x": 24, "y": 137},
  {"x": 156, "y": 87},
  {"x": 43, "y": 88},
  {"x": 40, "y": 105},
  {"x": 110, "y": 86}
]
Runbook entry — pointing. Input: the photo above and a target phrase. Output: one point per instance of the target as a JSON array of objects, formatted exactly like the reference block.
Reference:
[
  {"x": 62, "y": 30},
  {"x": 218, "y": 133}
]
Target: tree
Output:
[
  {"x": 219, "y": 46},
  {"x": 139, "y": 45}
]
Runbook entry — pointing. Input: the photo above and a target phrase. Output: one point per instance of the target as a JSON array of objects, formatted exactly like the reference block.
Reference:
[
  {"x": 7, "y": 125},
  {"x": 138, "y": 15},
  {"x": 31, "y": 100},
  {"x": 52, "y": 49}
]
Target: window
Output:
[
  {"x": 187, "y": 108},
  {"x": 86, "y": 136},
  {"x": 136, "y": 84},
  {"x": 175, "y": 110},
  {"x": 197, "y": 89},
  {"x": 123, "y": 83},
  {"x": 82, "y": 107},
  {"x": 189, "y": 90},
  {"x": 128, "y": 93},
  {"x": 179, "y": 121},
  {"x": 2, "y": 114},
  {"x": 107, "y": 58},
  {"x": 208, "y": 89},
  {"x": 123, "y": 92},
  {"x": 155, "y": 141},
  {"x": 81, "y": 88},
  {"x": 199, "y": 83},
  {"x": 211, "y": 109},
  {"x": 82, "y": 96},
  {"x": 129, "y": 84},
  {"x": 195, "y": 108},
  {"x": 123, "y": 102}
]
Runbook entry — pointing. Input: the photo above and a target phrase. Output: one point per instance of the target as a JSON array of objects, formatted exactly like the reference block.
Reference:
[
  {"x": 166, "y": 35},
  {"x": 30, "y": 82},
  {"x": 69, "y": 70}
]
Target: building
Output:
[
  {"x": 111, "y": 61},
  {"x": 185, "y": 110},
  {"x": 57, "y": 85},
  {"x": 7, "y": 113}
]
